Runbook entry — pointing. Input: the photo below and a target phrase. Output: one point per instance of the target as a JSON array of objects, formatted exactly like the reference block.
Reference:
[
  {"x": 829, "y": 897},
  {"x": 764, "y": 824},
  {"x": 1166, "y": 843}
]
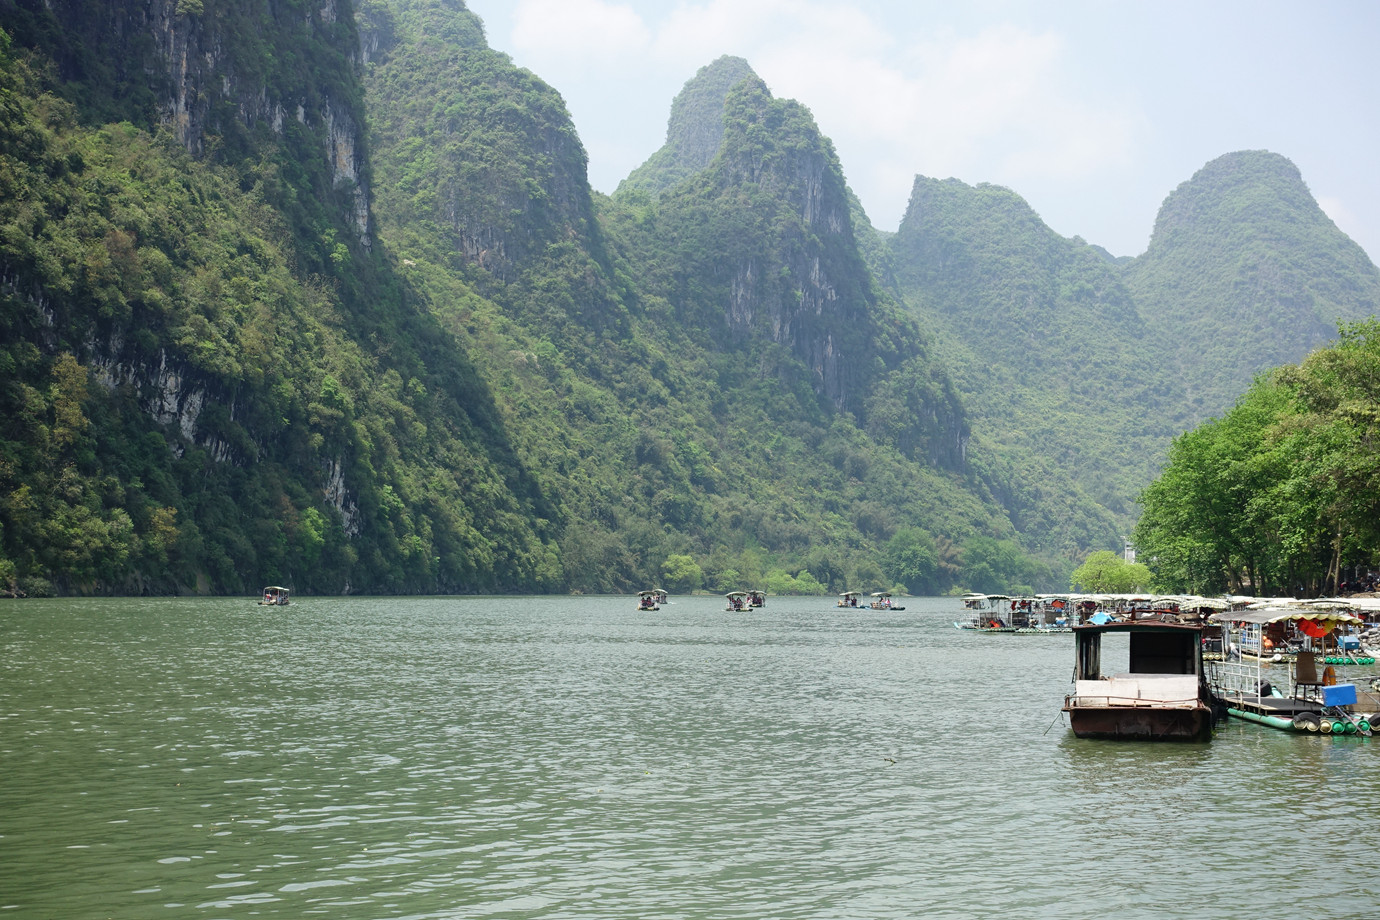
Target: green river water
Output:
[{"x": 562, "y": 757}]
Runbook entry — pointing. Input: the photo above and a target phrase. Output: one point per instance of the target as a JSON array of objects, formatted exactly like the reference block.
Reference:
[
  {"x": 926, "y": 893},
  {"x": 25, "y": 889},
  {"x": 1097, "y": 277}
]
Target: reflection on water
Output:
[{"x": 572, "y": 757}]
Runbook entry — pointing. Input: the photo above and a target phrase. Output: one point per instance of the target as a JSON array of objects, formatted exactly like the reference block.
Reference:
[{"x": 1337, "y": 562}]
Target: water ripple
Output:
[{"x": 571, "y": 758}]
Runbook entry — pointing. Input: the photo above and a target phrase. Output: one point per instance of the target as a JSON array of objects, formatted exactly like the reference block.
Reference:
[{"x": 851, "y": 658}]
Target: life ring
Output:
[{"x": 1329, "y": 676}]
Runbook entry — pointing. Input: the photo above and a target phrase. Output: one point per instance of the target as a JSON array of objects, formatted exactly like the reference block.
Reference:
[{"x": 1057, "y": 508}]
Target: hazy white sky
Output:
[{"x": 1092, "y": 110}]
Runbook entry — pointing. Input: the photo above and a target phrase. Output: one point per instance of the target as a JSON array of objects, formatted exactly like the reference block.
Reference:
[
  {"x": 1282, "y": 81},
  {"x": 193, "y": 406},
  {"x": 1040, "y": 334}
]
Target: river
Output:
[{"x": 571, "y": 757}]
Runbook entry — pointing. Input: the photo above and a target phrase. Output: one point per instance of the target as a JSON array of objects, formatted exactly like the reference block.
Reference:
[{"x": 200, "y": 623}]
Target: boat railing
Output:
[{"x": 1236, "y": 680}]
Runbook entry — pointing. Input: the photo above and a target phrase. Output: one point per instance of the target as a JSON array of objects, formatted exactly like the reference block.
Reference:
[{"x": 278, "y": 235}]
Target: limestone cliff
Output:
[
  {"x": 505, "y": 169},
  {"x": 766, "y": 223},
  {"x": 223, "y": 77}
]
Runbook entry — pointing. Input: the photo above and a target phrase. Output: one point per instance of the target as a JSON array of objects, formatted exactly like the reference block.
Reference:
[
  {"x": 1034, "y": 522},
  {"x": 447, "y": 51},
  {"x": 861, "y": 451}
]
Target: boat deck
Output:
[{"x": 1287, "y": 707}]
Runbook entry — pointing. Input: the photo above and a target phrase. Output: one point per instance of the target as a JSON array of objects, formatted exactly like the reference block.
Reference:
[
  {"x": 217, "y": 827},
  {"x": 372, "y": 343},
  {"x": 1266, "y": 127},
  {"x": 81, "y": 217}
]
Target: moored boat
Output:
[
  {"x": 1162, "y": 696},
  {"x": 1038, "y": 614},
  {"x": 1292, "y": 668},
  {"x": 985, "y": 612}
]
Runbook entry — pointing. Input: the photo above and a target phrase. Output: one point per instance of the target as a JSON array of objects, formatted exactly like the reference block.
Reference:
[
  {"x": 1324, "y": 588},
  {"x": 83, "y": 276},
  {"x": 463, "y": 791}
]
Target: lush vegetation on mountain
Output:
[
  {"x": 183, "y": 367},
  {"x": 1281, "y": 495},
  {"x": 1078, "y": 369},
  {"x": 1070, "y": 403},
  {"x": 289, "y": 294},
  {"x": 679, "y": 447},
  {"x": 1245, "y": 272}
]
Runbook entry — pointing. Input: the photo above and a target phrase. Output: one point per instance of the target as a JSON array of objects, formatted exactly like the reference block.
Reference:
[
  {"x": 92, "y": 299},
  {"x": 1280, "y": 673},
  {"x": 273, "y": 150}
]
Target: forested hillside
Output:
[
  {"x": 693, "y": 372},
  {"x": 317, "y": 293},
  {"x": 1069, "y": 397},
  {"x": 212, "y": 378},
  {"x": 1281, "y": 495},
  {"x": 1077, "y": 369},
  {"x": 1244, "y": 272}
]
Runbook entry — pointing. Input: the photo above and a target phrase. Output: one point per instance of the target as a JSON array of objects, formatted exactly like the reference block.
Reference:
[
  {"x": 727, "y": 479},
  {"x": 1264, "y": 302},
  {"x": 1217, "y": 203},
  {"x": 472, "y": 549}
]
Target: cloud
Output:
[
  {"x": 580, "y": 32},
  {"x": 994, "y": 103}
]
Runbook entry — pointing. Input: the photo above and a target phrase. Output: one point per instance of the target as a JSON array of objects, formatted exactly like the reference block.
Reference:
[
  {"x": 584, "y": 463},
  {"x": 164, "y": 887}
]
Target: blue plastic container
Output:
[{"x": 1339, "y": 695}]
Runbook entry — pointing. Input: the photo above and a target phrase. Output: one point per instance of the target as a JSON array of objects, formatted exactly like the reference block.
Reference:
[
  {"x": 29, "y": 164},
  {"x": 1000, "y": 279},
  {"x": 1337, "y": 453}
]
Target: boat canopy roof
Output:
[
  {"x": 736, "y": 594},
  {"x": 881, "y": 594},
  {"x": 850, "y": 594},
  {"x": 1147, "y": 625},
  {"x": 277, "y": 590},
  {"x": 1262, "y": 615}
]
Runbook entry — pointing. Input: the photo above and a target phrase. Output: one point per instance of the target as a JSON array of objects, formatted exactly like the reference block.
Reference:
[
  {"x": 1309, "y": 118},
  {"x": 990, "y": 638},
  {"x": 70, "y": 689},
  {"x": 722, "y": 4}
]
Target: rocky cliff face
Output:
[
  {"x": 219, "y": 74},
  {"x": 235, "y": 83},
  {"x": 797, "y": 278},
  {"x": 764, "y": 221},
  {"x": 507, "y": 170}
]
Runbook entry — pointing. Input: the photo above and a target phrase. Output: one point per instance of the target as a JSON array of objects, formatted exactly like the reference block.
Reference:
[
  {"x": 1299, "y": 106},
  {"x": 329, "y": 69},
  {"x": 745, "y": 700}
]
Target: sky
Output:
[{"x": 1093, "y": 111}]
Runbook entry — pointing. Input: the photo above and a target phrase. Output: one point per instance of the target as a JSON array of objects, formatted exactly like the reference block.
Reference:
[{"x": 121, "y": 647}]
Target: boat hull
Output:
[{"x": 1141, "y": 723}]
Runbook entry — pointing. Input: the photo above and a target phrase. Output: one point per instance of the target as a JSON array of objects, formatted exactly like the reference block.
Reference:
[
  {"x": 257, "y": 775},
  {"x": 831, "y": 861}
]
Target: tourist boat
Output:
[
  {"x": 1278, "y": 669},
  {"x": 849, "y": 599},
  {"x": 1038, "y": 614},
  {"x": 274, "y": 596},
  {"x": 757, "y": 598},
  {"x": 648, "y": 600},
  {"x": 1162, "y": 696},
  {"x": 881, "y": 600},
  {"x": 984, "y": 612},
  {"x": 737, "y": 601}
]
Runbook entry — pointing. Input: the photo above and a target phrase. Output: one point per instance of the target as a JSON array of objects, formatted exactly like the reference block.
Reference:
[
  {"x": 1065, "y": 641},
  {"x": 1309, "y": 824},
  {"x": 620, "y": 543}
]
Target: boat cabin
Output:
[{"x": 1162, "y": 695}]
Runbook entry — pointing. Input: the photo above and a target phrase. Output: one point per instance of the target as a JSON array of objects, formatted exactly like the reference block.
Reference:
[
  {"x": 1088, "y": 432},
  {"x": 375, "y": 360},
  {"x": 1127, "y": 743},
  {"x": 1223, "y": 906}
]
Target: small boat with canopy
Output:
[{"x": 1293, "y": 666}]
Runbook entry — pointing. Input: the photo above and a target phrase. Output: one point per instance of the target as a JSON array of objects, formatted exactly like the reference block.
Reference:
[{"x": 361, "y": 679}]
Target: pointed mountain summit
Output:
[
  {"x": 477, "y": 147},
  {"x": 759, "y": 231},
  {"x": 1245, "y": 272},
  {"x": 1046, "y": 345},
  {"x": 695, "y": 129}
]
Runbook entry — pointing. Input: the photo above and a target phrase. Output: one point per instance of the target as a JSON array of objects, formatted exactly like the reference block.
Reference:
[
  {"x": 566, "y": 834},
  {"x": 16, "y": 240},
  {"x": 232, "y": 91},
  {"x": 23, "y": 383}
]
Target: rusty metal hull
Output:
[{"x": 1139, "y": 723}]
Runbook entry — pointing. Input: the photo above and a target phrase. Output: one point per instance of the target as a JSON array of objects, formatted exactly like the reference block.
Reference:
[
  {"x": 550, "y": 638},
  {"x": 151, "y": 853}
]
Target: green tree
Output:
[
  {"x": 1105, "y": 572},
  {"x": 998, "y": 566},
  {"x": 682, "y": 573},
  {"x": 911, "y": 559}
]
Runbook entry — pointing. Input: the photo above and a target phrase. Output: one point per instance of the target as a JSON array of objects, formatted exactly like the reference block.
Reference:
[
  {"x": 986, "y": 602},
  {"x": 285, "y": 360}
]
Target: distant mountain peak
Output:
[
  {"x": 1235, "y": 187},
  {"x": 1244, "y": 259},
  {"x": 695, "y": 129}
]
